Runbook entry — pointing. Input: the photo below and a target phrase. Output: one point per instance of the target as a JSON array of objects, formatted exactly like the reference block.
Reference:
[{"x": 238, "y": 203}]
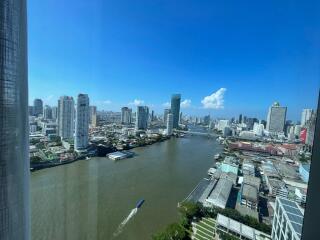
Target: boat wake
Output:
[{"x": 125, "y": 221}]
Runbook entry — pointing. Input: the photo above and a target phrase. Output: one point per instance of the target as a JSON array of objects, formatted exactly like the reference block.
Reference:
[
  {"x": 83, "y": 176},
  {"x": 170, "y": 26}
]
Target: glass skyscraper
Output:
[
  {"x": 142, "y": 118},
  {"x": 37, "y": 107},
  {"x": 175, "y": 109},
  {"x": 14, "y": 154}
]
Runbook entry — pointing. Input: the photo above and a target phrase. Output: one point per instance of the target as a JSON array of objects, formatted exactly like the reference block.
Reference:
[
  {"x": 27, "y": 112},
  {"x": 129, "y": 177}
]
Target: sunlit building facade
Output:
[
  {"x": 66, "y": 117},
  {"x": 276, "y": 118},
  {"x": 82, "y": 122}
]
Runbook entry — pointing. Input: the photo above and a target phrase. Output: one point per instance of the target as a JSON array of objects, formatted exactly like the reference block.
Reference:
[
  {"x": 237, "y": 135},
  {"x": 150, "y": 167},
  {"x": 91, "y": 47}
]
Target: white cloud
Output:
[
  {"x": 186, "y": 103},
  {"x": 166, "y": 104},
  {"x": 215, "y": 100},
  {"x": 137, "y": 102},
  {"x": 106, "y": 102}
]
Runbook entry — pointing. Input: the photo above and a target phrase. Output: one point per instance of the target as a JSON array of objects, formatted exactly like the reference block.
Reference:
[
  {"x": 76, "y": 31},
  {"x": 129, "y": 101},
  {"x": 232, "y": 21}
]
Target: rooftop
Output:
[
  {"x": 251, "y": 180},
  {"x": 220, "y": 194},
  {"x": 249, "y": 192},
  {"x": 277, "y": 183},
  {"x": 240, "y": 228}
]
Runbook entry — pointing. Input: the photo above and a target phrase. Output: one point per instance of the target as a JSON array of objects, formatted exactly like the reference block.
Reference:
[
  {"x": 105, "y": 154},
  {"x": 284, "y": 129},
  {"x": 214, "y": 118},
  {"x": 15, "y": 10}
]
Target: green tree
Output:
[
  {"x": 226, "y": 236},
  {"x": 35, "y": 159},
  {"x": 190, "y": 210},
  {"x": 40, "y": 145},
  {"x": 173, "y": 232}
]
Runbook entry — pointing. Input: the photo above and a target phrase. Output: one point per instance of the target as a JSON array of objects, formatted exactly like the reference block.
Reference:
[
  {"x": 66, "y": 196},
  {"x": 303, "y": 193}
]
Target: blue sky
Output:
[{"x": 120, "y": 51}]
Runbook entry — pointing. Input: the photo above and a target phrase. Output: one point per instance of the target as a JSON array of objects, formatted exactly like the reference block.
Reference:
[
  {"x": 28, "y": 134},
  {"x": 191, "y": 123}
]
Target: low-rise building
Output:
[
  {"x": 253, "y": 181},
  {"x": 249, "y": 196},
  {"x": 220, "y": 194},
  {"x": 230, "y": 164},
  {"x": 242, "y": 231},
  {"x": 277, "y": 187},
  {"x": 248, "y": 168},
  {"x": 247, "y": 135}
]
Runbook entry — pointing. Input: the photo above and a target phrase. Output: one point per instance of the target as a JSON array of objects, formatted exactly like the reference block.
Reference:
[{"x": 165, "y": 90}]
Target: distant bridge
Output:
[{"x": 197, "y": 133}]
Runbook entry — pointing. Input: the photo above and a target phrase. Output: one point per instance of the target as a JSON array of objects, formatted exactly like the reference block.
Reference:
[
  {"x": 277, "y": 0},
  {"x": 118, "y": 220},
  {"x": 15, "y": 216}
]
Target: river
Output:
[{"x": 89, "y": 199}]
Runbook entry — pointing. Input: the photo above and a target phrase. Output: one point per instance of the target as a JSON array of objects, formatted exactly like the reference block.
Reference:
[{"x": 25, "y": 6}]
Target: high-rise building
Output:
[
  {"x": 310, "y": 126},
  {"x": 180, "y": 118},
  {"x": 276, "y": 118},
  {"x": 37, "y": 107},
  {"x": 303, "y": 135},
  {"x": 287, "y": 220},
  {"x": 30, "y": 110},
  {"x": 169, "y": 124},
  {"x": 165, "y": 115},
  {"x": 297, "y": 130},
  {"x": 258, "y": 129},
  {"x": 244, "y": 119},
  {"x": 47, "y": 112},
  {"x": 250, "y": 122},
  {"x": 82, "y": 122},
  {"x": 175, "y": 109},
  {"x": 14, "y": 127},
  {"x": 66, "y": 117},
  {"x": 152, "y": 116},
  {"x": 264, "y": 122},
  {"x": 142, "y": 116},
  {"x": 288, "y": 124},
  {"x": 93, "y": 116},
  {"x": 291, "y": 136},
  {"x": 126, "y": 115},
  {"x": 305, "y": 116},
  {"x": 206, "y": 120},
  {"x": 222, "y": 124},
  {"x": 54, "y": 113},
  {"x": 240, "y": 118}
]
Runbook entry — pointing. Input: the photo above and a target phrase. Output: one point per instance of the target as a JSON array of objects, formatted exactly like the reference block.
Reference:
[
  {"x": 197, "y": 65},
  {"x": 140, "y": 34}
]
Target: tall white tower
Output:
[
  {"x": 306, "y": 116},
  {"x": 66, "y": 117},
  {"x": 82, "y": 122},
  {"x": 169, "y": 123}
]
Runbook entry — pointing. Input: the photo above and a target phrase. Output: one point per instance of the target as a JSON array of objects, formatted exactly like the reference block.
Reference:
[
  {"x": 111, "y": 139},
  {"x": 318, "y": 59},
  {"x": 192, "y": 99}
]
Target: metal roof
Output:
[
  {"x": 240, "y": 228},
  {"x": 220, "y": 194}
]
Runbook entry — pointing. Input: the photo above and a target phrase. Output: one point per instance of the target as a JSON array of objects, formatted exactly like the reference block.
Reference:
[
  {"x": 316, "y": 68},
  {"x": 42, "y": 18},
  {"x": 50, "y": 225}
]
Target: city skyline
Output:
[
  {"x": 167, "y": 107},
  {"x": 137, "y": 45}
]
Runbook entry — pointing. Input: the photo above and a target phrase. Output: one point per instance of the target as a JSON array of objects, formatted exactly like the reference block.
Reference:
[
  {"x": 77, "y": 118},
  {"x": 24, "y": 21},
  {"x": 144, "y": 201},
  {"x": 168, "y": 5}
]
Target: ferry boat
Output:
[{"x": 139, "y": 204}]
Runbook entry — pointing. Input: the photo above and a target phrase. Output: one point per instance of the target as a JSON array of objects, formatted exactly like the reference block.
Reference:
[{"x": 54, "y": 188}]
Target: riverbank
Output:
[{"x": 51, "y": 164}]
